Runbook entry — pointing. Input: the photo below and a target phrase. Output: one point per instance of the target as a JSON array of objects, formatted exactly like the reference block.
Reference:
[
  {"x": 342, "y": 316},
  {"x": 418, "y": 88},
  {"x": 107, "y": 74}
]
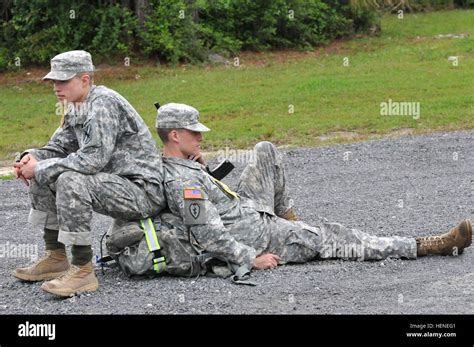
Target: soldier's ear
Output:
[
  {"x": 86, "y": 80},
  {"x": 173, "y": 136}
]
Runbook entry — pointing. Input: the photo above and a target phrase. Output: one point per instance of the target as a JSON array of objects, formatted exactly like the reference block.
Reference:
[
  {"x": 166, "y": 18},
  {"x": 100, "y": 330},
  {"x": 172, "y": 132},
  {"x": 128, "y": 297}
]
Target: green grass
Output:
[
  {"x": 6, "y": 177},
  {"x": 249, "y": 104}
]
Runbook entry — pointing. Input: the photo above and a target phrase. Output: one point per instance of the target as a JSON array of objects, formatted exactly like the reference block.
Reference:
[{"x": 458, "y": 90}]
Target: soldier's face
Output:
[
  {"x": 73, "y": 90},
  {"x": 189, "y": 142}
]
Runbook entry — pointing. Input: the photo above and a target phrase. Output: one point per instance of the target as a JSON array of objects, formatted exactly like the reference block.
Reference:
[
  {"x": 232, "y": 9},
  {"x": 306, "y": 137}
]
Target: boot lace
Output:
[
  {"x": 43, "y": 258},
  {"x": 432, "y": 240},
  {"x": 69, "y": 273}
]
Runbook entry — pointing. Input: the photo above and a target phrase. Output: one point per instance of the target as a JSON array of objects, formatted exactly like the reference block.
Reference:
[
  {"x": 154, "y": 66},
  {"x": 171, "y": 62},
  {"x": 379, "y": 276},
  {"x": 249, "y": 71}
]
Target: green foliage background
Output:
[
  {"x": 182, "y": 30},
  {"x": 172, "y": 30}
]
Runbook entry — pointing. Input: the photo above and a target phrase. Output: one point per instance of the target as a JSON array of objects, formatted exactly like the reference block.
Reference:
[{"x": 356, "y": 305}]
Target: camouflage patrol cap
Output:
[
  {"x": 179, "y": 116},
  {"x": 66, "y": 65}
]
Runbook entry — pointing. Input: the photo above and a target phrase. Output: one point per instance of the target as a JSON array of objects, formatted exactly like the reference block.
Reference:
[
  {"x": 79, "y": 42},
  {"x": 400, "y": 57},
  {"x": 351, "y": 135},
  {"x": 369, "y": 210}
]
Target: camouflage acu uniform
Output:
[
  {"x": 103, "y": 159},
  {"x": 239, "y": 228}
]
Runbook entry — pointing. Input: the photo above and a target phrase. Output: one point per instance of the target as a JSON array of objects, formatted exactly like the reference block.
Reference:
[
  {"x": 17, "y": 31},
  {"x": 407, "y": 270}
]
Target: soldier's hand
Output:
[
  {"x": 266, "y": 261},
  {"x": 17, "y": 167},
  {"x": 199, "y": 158},
  {"x": 27, "y": 167},
  {"x": 18, "y": 175}
]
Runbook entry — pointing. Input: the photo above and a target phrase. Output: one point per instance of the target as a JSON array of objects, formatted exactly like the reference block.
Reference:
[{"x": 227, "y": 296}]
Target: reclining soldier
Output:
[
  {"x": 103, "y": 158},
  {"x": 256, "y": 226}
]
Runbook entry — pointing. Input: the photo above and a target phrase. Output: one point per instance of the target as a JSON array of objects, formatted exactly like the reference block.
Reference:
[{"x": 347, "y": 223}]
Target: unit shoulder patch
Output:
[{"x": 194, "y": 206}]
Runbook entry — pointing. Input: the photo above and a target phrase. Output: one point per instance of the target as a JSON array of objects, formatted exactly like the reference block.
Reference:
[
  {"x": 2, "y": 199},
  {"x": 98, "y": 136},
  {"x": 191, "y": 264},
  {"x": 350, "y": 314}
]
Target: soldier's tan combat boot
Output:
[
  {"x": 50, "y": 266},
  {"x": 450, "y": 243},
  {"x": 77, "y": 280},
  {"x": 290, "y": 215}
]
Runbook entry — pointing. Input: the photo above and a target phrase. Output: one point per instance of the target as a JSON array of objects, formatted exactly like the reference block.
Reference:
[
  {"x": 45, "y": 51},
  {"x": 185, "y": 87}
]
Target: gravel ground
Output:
[{"x": 408, "y": 186}]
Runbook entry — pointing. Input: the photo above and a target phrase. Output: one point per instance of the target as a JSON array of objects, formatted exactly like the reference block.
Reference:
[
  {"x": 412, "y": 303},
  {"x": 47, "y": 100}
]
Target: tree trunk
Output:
[
  {"x": 5, "y": 10},
  {"x": 193, "y": 10},
  {"x": 141, "y": 9}
]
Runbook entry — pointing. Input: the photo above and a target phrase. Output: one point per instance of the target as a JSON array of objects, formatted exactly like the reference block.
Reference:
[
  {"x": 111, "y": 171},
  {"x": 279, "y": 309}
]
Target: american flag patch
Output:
[{"x": 191, "y": 193}]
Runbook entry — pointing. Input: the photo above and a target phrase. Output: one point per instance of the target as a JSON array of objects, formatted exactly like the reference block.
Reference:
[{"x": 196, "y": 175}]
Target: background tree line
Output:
[{"x": 32, "y": 31}]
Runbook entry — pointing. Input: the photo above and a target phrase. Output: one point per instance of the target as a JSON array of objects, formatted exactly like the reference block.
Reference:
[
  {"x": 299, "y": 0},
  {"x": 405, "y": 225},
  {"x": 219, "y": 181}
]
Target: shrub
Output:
[
  {"x": 171, "y": 32},
  {"x": 174, "y": 30},
  {"x": 40, "y": 29}
]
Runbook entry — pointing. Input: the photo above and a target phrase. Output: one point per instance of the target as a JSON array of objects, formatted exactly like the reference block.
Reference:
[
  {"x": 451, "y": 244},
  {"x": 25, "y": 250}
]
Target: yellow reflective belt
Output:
[
  {"x": 225, "y": 187},
  {"x": 159, "y": 263}
]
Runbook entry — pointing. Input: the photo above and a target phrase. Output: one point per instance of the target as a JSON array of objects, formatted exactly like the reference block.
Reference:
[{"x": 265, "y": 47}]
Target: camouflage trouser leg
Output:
[
  {"x": 339, "y": 241},
  {"x": 293, "y": 242},
  {"x": 297, "y": 242},
  {"x": 77, "y": 195},
  {"x": 43, "y": 213},
  {"x": 264, "y": 181}
]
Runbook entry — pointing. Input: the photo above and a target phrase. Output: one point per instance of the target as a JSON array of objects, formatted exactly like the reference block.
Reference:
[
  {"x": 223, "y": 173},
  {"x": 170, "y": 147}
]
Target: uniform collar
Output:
[
  {"x": 183, "y": 162},
  {"x": 91, "y": 93}
]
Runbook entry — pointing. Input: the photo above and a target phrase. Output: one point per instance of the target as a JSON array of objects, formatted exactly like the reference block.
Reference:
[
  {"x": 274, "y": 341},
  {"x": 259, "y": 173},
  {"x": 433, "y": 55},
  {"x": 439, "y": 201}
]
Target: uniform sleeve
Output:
[
  {"x": 62, "y": 143},
  {"x": 100, "y": 132},
  {"x": 209, "y": 231}
]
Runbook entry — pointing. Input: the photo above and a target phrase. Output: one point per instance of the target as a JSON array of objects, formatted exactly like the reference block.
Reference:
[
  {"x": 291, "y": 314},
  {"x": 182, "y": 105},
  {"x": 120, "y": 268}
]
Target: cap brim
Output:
[
  {"x": 199, "y": 127},
  {"x": 59, "y": 75}
]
